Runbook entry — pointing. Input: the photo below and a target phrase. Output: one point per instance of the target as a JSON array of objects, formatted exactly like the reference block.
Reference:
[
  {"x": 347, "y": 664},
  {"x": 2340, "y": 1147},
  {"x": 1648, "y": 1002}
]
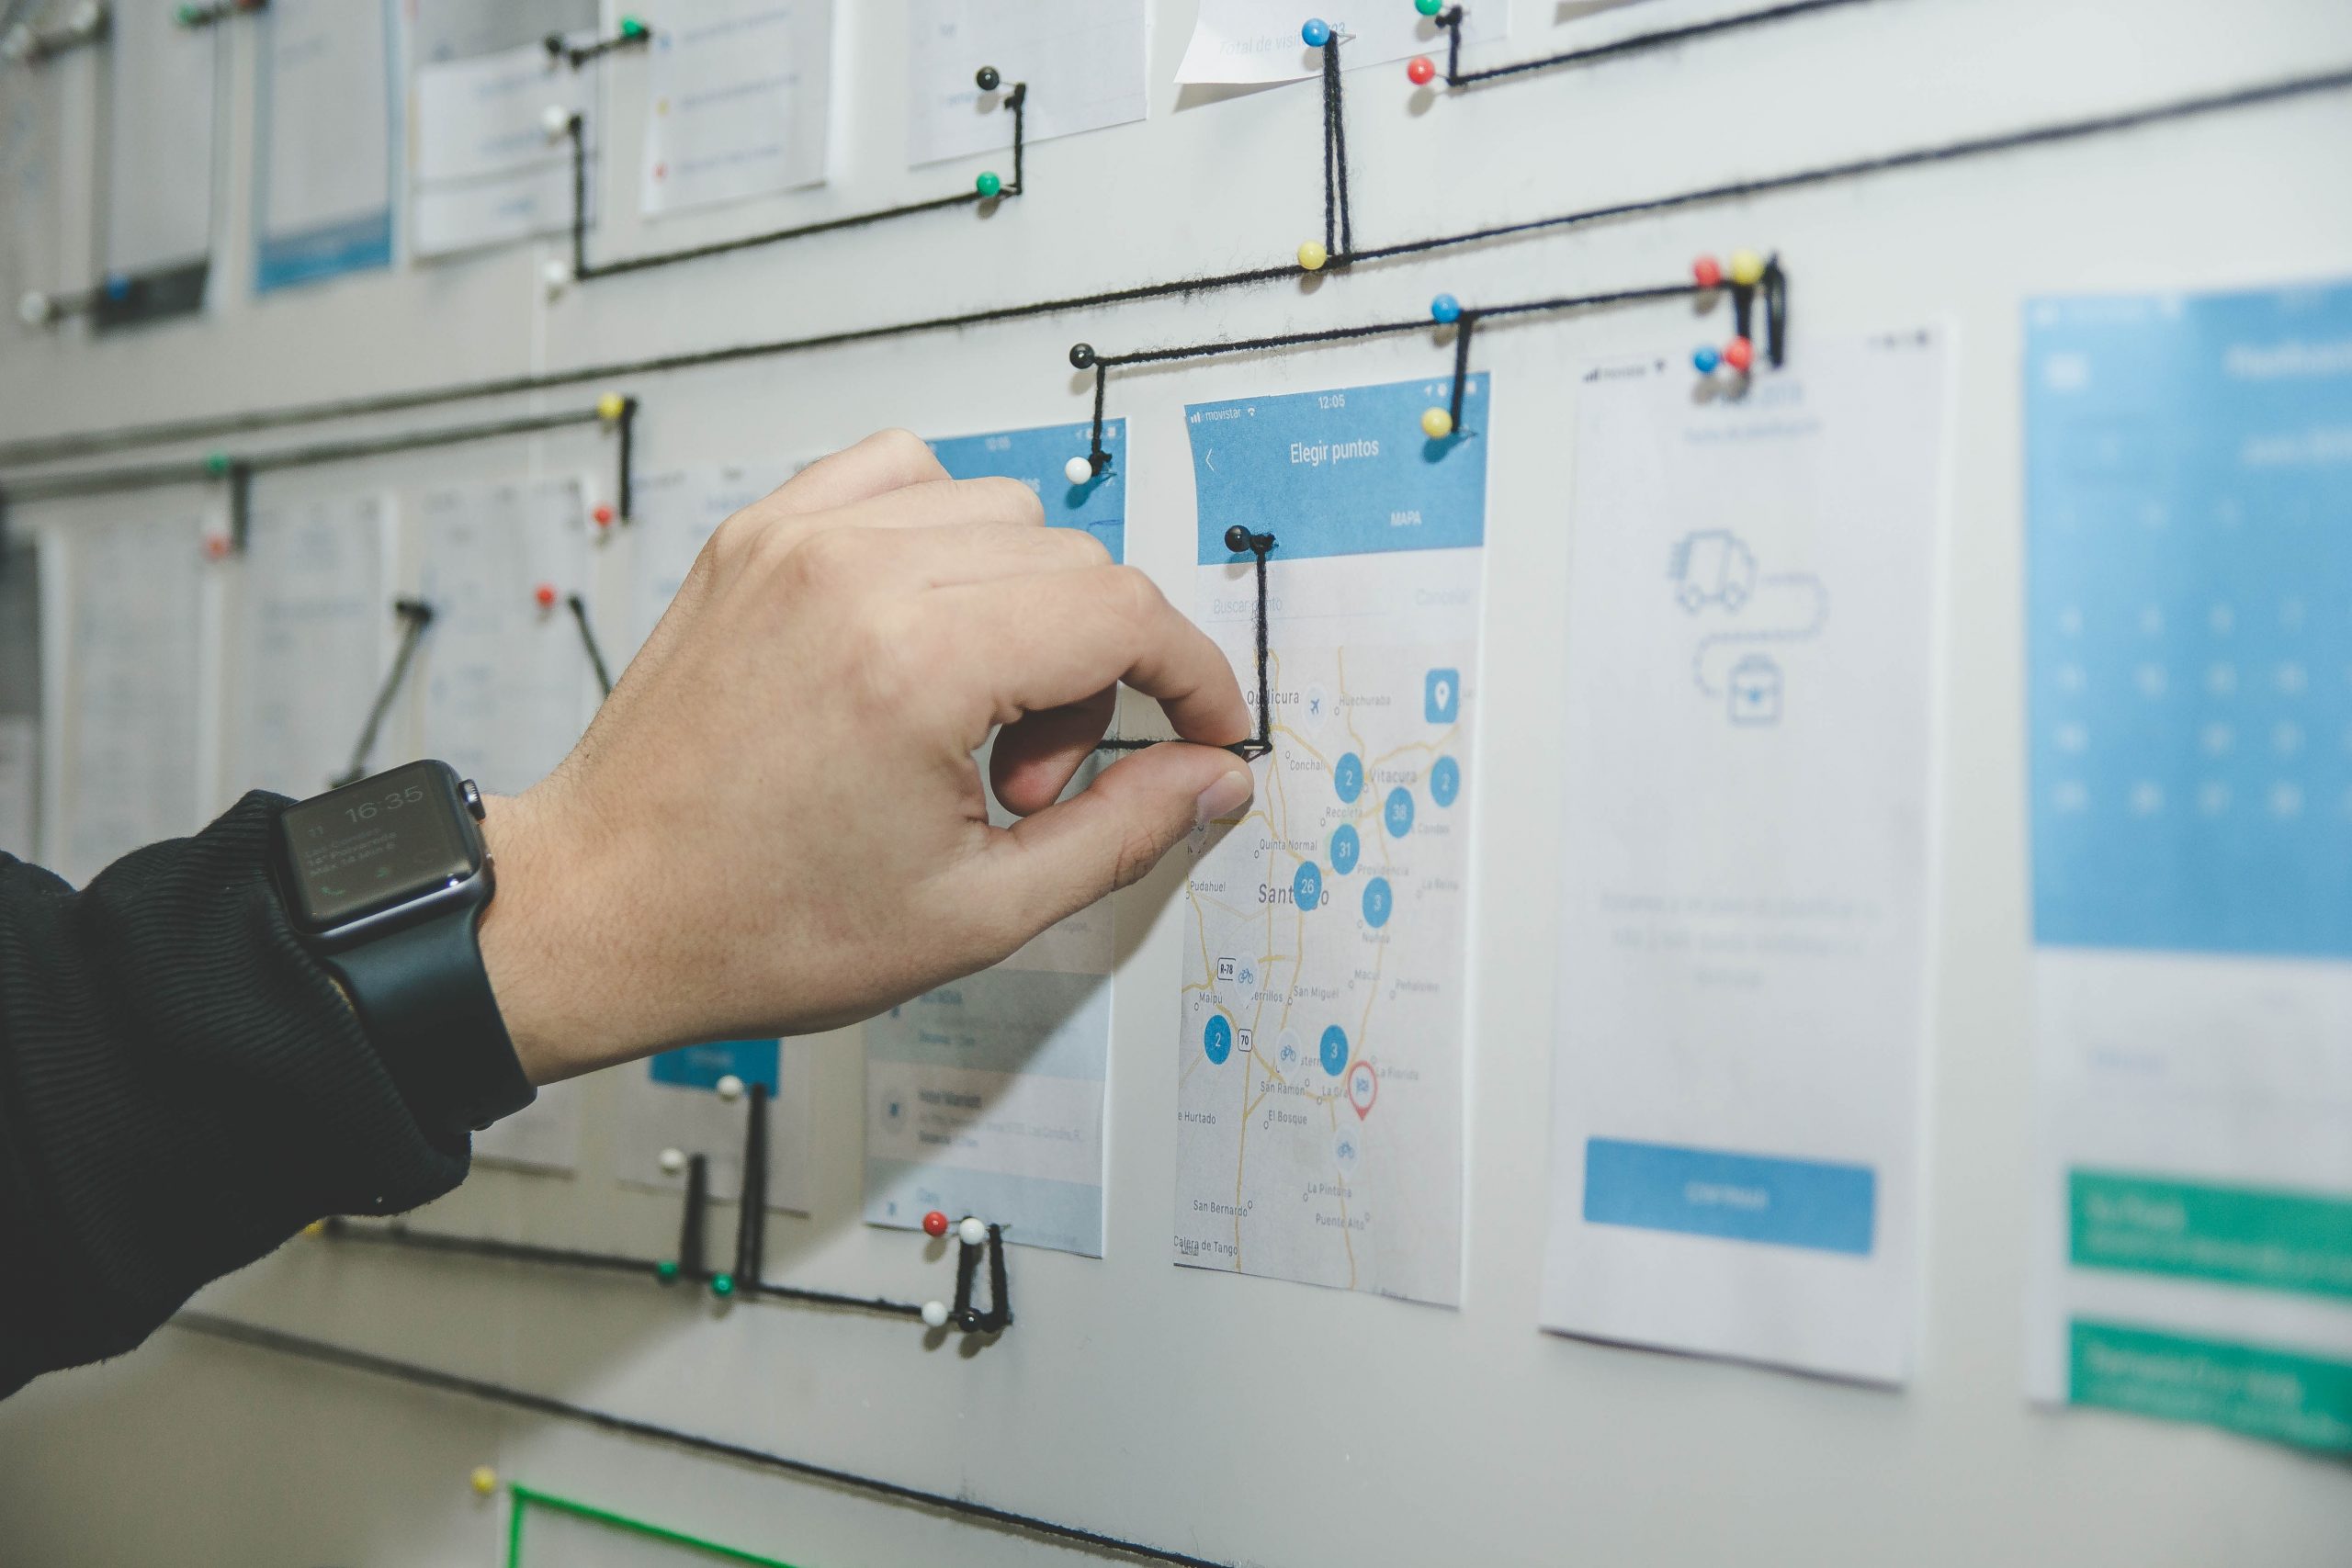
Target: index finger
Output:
[{"x": 1055, "y": 638}]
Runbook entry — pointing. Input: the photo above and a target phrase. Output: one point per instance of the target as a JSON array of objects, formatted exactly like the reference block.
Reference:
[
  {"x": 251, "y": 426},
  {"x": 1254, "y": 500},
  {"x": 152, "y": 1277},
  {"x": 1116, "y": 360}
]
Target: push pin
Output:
[
  {"x": 484, "y": 1481},
  {"x": 673, "y": 1161},
  {"x": 216, "y": 546},
  {"x": 545, "y": 595},
  {"x": 971, "y": 1232},
  {"x": 1707, "y": 272},
  {"x": 315, "y": 1228},
  {"x": 988, "y": 186},
  {"x": 730, "y": 1087},
  {"x": 118, "y": 286},
  {"x": 1316, "y": 32},
  {"x": 1704, "y": 360},
  {"x": 611, "y": 407},
  {"x": 1747, "y": 269},
  {"x": 987, "y": 80},
  {"x": 602, "y": 515},
  {"x": 34, "y": 309},
  {"x": 1080, "y": 469},
  {"x": 1739, "y": 354},
  {"x": 556, "y": 121},
  {"x": 722, "y": 1285},
  {"x": 935, "y": 1315},
  {"x": 1436, "y": 423},
  {"x": 1081, "y": 356},
  {"x": 666, "y": 1271},
  {"x": 1428, "y": 7},
  {"x": 1420, "y": 70},
  {"x": 934, "y": 1223},
  {"x": 217, "y": 463},
  {"x": 1445, "y": 309},
  {"x": 556, "y": 276},
  {"x": 1312, "y": 256},
  {"x": 632, "y": 29}
]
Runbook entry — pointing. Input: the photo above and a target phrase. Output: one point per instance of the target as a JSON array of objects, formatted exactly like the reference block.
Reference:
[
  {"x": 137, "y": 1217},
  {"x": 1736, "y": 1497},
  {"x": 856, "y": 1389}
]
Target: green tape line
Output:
[{"x": 527, "y": 1498}]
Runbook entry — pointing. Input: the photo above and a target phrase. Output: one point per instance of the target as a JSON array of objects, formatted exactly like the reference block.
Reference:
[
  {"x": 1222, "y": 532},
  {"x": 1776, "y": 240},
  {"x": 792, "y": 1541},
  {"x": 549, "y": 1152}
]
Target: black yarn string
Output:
[
  {"x": 579, "y": 608},
  {"x": 52, "y": 448},
  {"x": 1462, "y": 325},
  {"x": 692, "y": 1228},
  {"x": 415, "y": 615},
  {"x": 115, "y": 480},
  {"x": 1637, "y": 43},
  {"x": 1096, "y": 458},
  {"x": 1015, "y": 99},
  {"x": 693, "y": 1264},
  {"x": 1337, "y": 98},
  {"x": 254, "y": 1337},
  {"x": 578, "y": 55},
  {"x": 751, "y": 1210},
  {"x": 1330, "y": 158},
  {"x": 1237, "y": 539},
  {"x": 624, "y": 483}
]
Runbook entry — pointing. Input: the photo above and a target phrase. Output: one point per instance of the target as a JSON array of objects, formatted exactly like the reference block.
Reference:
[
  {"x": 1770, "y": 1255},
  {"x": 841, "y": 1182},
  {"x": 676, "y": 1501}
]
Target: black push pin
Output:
[
  {"x": 1081, "y": 356},
  {"x": 987, "y": 79}
]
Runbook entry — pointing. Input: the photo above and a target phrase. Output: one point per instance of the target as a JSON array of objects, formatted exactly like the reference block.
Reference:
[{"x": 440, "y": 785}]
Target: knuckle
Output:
[
  {"x": 1133, "y": 596},
  {"x": 827, "y": 561},
  {"x": 905, "y": 452}
]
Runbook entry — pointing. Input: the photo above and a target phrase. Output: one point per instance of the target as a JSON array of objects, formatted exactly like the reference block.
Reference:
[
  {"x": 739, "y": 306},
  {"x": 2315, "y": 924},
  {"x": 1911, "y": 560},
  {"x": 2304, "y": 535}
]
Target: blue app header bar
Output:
[
  {"x": 701, "y": 1066},
  {"x": 1037, "y": 458},
  {"x": 1346, "y": 472},
  {"x": 1739, "y": 1197}
]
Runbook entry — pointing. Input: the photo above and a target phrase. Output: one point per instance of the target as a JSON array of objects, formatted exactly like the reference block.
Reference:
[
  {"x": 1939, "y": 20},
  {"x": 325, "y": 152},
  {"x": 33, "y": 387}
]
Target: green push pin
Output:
[
  {"x": 1428, "y": 7},
  {"x": 216, "y": 462},
  {"x": 190, "y": 16},
  {"x": 722, "y": 1284},
  {"x": 632, "y": 28},
  {"x": 666, "y": 1272},
  {"x": 988, "y": 185}
]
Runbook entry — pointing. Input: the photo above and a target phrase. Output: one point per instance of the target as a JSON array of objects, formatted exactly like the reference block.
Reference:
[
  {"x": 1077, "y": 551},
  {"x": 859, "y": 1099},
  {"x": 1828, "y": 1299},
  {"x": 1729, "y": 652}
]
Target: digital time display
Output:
[{"x": 378, "y": 843}]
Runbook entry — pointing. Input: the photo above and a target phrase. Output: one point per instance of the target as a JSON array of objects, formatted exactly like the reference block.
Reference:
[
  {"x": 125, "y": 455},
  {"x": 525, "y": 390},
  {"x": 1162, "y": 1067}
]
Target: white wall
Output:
[{"x": 1238, "y": 1419}]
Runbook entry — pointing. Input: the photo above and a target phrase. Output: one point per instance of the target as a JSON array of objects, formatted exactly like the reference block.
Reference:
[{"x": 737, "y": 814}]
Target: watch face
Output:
[{"x": 377, "y": 844}]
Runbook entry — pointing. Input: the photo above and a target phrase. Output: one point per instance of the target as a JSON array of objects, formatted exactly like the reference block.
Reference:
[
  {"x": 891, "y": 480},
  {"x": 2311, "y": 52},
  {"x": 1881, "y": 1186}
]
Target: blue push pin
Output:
[
  {"x": 1317, "y": 32},
  {"x": 118, "y": 286},
  {"x": 1445, "y": 309},
  {"x": 1705, "y": 361}
]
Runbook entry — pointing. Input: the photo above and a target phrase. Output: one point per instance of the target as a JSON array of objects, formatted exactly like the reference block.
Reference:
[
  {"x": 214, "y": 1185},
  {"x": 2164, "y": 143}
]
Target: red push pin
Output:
[
  {"x": 1420, "y": 70},
  {"x": 1707, "y": 272},
  {"x": 216, "y": 546},
  {"x": 1739, "y": 354},
  {"x": 604, "y": 515},
  {"x": 545, "y": 595},
  {"x": 934, "y": 1223}
]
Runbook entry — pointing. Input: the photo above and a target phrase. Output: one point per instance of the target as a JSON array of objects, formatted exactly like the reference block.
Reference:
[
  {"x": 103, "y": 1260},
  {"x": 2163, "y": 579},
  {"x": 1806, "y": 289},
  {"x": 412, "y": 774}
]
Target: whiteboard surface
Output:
[{"x": 1241, "y": 1418}]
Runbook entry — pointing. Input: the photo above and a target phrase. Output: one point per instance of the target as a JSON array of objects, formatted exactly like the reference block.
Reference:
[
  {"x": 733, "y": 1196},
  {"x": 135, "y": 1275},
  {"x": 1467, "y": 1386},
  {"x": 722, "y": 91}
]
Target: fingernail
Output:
[{"x": 1229, "y": 794}]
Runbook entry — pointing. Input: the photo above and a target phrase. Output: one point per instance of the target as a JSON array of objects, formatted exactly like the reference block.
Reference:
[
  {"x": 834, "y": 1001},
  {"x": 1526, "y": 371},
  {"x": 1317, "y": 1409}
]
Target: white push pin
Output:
[
  {"x": 555, "y": 121},
  {"x": 557, "y": 275},
  {"x": 935, "y": 1315},
  {"x": 33, "y": 309},
  {"x": 1078, "y": 470},
  {"x": 16, "y": 44},
  {"x": 673, "y": 1161},
  {"x": 971, "y": 1232},
  {"x": 731, "y": 1089},
  {"x": 87, "y": 15}
]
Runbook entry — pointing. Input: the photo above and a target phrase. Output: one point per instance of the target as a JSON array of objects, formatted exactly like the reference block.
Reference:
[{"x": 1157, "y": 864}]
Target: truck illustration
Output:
[{"x": 1712, "y": 567}]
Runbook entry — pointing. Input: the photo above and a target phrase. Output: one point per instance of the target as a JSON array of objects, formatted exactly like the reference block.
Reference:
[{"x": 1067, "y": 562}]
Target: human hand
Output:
[{"x": 775, "y": 825}]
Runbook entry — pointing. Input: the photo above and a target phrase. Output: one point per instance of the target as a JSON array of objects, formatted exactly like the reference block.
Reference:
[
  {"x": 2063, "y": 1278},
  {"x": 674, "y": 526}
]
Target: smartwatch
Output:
[{"x": 386, "y": 881}]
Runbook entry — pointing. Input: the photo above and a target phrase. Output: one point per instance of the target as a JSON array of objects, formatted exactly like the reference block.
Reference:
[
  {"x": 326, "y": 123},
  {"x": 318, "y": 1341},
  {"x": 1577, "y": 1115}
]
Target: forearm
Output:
[{"x": 182, "y": 1087}]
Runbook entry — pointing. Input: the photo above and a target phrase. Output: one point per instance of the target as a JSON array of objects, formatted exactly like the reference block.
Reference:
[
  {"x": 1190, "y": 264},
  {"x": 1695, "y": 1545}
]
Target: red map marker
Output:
[{"x": 1363, "y": 1087}]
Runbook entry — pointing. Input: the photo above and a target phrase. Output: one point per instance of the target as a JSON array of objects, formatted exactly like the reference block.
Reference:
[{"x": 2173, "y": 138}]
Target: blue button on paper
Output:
[{"x": 1758, "y": 1198}]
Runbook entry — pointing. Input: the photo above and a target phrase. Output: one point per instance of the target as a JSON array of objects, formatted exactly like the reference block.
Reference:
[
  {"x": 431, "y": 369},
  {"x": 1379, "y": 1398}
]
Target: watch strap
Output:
[{"x": 426, "y": 1000}]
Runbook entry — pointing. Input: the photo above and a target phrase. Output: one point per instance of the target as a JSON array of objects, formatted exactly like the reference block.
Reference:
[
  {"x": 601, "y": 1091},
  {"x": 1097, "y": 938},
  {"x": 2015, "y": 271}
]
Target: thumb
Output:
[{"x": 1111, "y": 833}]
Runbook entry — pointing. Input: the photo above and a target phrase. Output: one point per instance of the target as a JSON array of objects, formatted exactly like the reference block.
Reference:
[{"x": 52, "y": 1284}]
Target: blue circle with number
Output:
[
  {"x": 1400, "y": 814},
  {"x": 1345, "y": 847},
  {"x": 1335, "y": 1050},
  {"x": 1445, "y": 780},
  {"x": 1376, "y": 902},
  {"x": 1306, "y": 888},
  {"x": 1347, "y": 776},
  {"x": 1217, "y": 1038}
]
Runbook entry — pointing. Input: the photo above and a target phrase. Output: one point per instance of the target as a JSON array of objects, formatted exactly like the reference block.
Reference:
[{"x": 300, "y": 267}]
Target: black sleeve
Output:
[{"x": 182, "y": 1088}]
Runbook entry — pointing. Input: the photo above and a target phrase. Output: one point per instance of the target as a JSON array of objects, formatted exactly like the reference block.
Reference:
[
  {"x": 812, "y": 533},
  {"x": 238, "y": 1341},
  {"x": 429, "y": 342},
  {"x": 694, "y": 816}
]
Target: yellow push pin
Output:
[
  {"x": 1436, "y": 425},
  {"x": 1312, "y": 256},
  {"x": 485, "y": 1481},
  {"x": 1747, "y": 268},
  {"x": 610, "y": 407},
  {"x": 316, "y": 1227}
]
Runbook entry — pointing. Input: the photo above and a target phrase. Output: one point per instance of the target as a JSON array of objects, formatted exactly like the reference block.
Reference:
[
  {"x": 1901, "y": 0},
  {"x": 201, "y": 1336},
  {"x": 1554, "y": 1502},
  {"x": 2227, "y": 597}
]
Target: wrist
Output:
[{"x": 562, "y": 1010}]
